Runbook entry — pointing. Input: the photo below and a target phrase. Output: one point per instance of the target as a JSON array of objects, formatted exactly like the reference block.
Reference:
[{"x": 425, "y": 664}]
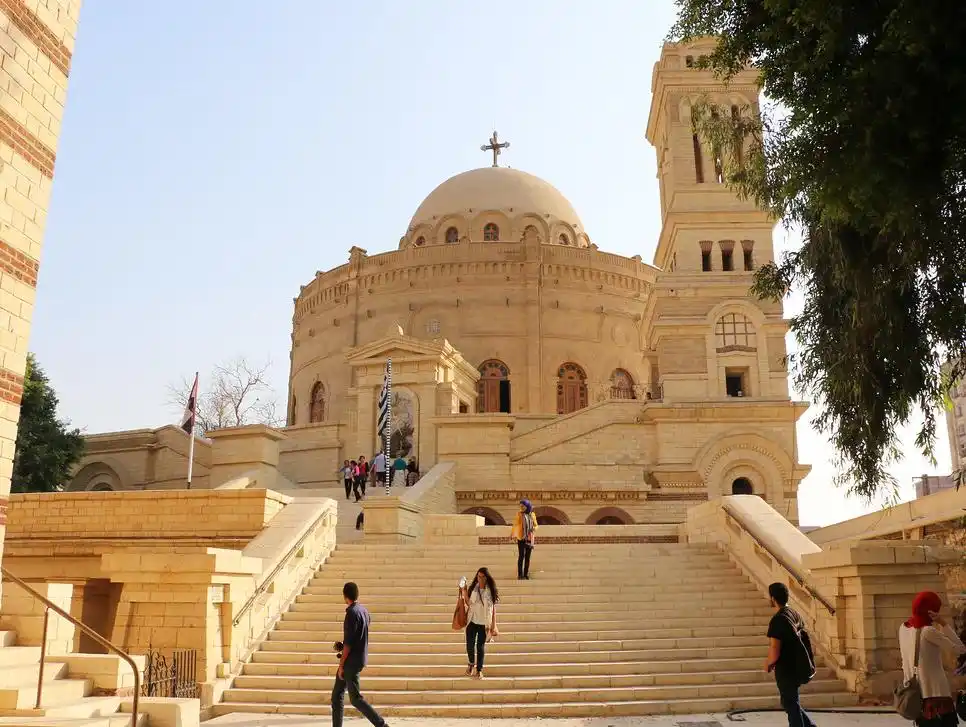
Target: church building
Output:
[{"x": 604, "y": 388}]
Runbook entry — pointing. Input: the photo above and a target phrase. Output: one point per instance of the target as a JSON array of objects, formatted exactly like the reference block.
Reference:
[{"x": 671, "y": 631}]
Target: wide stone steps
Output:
[
  {"x": 664, "y": 637},
  {"x": 623, "y": 629},
  {"x": 64, "y": 700},
  {"x": 495, "y": 658},
  {"x": 683, "y": 668},
  {"x": 431, "y": 684}
]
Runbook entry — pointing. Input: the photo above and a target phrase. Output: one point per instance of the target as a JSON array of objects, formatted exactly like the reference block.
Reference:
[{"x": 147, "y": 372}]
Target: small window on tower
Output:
[
  {"x": 491, "y": 233},
  {"x": 746, "y": 249},
  {"x": 420, "y": 241},
  {"x": 706, "y": 257},
  {"x": 689, "y": 61},
  {"x": 727, "y": 258},
  {"x": 735, "y": 382},
  {"x": 452, "y": 235},
  {"x": 564, "y": 240}
]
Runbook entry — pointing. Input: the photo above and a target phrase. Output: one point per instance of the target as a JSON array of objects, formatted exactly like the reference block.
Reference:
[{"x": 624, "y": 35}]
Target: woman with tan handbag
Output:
[{"x": 479, "y": 601}]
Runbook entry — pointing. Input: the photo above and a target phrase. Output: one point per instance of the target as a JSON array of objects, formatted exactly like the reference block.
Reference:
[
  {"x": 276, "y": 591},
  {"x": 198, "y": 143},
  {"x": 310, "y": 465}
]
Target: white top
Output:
[
  {"x": 481, "y": 607},
  {"x": 932, "y": 674},
  {"x": 379, "y": 462}
]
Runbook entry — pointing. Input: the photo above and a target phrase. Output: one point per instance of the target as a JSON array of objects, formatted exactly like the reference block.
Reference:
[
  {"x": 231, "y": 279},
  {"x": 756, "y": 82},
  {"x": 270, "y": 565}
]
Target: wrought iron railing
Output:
[
  {"x": 51, "y": 606},
  {"x": 175, "y": 678}
]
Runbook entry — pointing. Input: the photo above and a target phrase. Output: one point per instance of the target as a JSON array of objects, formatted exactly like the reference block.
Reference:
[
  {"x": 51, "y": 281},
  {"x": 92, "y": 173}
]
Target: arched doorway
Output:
[
  {"x": 571, "y": 388},
  {"x": 742, "y": 486},
  {"x": 609, "y": 516},
  {"x": 493, "y": 388},
  {"x": 490, "y": 516},
  {"x": 317, "y": 403},
  {"x": 550, "y": 516},
  {"x": 621, "y": 385}
]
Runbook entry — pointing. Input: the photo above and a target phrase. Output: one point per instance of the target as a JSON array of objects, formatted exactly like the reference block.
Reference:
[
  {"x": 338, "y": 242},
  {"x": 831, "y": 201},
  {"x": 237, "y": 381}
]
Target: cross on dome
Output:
[{"x": 495, "y": 146}]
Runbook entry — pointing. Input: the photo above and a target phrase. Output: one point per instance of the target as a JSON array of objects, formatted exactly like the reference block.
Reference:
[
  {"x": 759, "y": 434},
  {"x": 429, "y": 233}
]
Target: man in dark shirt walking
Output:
[
  {"x": 787, "y": 655},
  {"x": 355, "y": 650}
]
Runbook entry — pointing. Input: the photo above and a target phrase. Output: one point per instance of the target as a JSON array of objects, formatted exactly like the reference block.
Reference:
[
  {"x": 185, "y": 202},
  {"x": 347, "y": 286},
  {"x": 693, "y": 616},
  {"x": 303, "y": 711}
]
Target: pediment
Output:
[{"x": 398, "y": 348}]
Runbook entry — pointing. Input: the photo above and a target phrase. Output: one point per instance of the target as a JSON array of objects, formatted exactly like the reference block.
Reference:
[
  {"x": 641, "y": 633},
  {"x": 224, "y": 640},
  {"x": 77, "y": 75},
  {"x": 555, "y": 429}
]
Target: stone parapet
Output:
[{"x": 251, "y": 451}]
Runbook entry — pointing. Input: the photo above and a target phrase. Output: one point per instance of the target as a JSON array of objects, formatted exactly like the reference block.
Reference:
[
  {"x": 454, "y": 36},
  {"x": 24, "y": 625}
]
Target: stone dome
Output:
[{"x": 513, "y": 199}]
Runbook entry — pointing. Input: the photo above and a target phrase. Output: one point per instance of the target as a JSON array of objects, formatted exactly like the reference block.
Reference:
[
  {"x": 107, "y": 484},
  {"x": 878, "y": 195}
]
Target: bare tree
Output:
[{"x": 233, "y": 395}]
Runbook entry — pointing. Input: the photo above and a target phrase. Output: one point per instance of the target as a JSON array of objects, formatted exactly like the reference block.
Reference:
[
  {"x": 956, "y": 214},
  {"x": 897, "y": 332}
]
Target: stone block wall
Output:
[
  {"x": 36, "y": 43},
  {"x": 236, "y": 515}
]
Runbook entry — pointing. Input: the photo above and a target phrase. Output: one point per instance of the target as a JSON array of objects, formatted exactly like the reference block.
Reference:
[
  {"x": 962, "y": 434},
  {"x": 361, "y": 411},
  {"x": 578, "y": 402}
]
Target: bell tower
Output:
[{"x": 706, "y": 228}]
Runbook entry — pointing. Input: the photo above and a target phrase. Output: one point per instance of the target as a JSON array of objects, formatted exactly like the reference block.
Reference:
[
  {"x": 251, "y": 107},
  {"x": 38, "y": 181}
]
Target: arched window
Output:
[
  {"x": 452, "y": 235},
  {"x": 621, "y": 385},
  {"x": 548, "y": 520},
  {"x": 734, "y": 332},
  {"x": 420, "y": 241},
  {"x": 491, "y": 233},
  {"x": 571, "y": 388},
  {"x": 528, "y": 229},
  {"x": 742, "y": 486},
  {"x": 293, "y": 412},
  {"x": 564, "y": 240},
  {"x": 317, "y": 403},
  {"x": 493, "y": 388}
]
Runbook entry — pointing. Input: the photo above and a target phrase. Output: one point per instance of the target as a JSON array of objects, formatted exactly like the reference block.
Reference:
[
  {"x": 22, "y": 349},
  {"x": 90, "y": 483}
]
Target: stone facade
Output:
[
  {"x": 605, "y": 388},
  {"x": 36, "y": 43}
]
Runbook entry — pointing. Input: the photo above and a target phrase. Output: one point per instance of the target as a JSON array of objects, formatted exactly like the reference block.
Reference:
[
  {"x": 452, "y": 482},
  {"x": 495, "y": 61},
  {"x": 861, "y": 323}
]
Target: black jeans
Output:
[
  {"x": 797, "y": 717},
  {"x": 359, "y": 487},
  {"x": 351, "y": 680},
  {"x": 348, "y": 487},
  {"x": 523, "y": 559},
  {"x": 475, "y": 645}
]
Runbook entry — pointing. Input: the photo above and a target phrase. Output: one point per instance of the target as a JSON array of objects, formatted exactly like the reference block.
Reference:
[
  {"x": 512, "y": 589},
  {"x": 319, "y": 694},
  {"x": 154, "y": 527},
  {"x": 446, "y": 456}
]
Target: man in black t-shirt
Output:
[{"x": 784, "y": 645}]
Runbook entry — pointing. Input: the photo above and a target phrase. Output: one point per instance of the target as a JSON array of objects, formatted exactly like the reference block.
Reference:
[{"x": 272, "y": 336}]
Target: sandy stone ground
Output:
[{"x": 768, "y": 719}]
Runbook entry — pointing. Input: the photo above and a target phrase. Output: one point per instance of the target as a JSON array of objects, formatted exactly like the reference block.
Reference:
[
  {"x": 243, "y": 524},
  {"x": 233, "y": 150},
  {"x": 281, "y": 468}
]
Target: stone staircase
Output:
[
  {"x": 602, "y": 629},
  {"x": 65, "y": 700}
]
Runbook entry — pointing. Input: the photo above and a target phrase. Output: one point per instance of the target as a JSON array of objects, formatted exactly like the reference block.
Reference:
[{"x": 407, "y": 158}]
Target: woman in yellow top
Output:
[{"x": 524, "y": 531}]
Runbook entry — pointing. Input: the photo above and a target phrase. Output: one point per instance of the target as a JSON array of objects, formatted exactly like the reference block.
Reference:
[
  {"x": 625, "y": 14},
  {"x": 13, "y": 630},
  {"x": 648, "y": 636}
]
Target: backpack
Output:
[{"x": 804, "y": 656}]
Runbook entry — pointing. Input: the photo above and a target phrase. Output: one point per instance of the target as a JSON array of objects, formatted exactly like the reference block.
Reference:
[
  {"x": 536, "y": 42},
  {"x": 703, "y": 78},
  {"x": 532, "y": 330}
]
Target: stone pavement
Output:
[{"x": 768, "y": 719}]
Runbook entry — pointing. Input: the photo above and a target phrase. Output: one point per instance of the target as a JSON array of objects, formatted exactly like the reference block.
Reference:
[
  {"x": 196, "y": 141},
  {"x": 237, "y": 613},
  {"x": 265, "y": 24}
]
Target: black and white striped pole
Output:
[{"x": 388, "y": 433}]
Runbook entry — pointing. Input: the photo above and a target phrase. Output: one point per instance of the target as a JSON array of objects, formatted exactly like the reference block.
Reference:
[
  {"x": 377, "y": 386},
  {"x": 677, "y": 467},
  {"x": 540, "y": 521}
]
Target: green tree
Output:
[
  {"x": 46, "y": 449},
  {"x": 860, "y": 148}
]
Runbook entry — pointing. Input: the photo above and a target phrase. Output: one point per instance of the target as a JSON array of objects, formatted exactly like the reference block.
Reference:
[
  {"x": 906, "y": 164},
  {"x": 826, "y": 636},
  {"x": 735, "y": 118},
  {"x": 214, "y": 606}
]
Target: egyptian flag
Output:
[{"x": 188, "y": 420}]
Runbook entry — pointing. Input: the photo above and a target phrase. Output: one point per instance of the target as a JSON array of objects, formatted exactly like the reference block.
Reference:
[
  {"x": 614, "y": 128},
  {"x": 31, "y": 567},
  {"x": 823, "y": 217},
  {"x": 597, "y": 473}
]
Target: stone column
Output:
[
  {"x": 365, "y": 423},
  {"x": 28, "y": 145},
  {"x": 238, "y": 451},
  {"x": 873, "y": 583}
]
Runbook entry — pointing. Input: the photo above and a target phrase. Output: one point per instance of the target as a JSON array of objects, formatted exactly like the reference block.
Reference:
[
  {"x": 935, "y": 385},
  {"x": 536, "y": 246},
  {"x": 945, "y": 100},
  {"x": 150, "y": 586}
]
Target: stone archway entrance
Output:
[{"x": 742, "y": 486}]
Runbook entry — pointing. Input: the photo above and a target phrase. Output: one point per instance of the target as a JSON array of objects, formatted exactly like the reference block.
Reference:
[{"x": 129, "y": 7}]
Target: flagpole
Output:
[
  {"x": 388, "y": 423},
  {"x": 191, "y": 445},
  {"x": 191, "y": 457}
]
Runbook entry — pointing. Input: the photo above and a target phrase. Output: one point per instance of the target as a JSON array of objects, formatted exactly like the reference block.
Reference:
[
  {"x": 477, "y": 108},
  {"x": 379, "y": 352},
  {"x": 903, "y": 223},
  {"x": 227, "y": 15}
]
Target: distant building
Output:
[
  {"x": 931, "y": 484},
  {"x": 956, "y": 424}
]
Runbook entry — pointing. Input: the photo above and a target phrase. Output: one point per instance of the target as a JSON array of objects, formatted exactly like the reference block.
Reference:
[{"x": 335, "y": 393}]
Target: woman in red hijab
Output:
[{"x": 927, "y": 627}]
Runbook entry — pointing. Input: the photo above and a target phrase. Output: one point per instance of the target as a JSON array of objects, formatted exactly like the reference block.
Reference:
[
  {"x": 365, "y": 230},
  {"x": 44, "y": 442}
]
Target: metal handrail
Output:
[
  {"x": 800, "y": 579},
  {"x": 51, "y": 606},
  {"x": 270, "y": 578}
]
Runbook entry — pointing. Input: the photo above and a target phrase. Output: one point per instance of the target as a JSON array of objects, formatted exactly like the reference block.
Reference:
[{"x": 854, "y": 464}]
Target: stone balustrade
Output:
[{"x": 853, "y": 595}]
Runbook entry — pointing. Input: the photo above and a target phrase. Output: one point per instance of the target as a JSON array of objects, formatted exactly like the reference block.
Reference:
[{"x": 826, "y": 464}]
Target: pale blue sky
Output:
[{"x": 215, "y": 154}]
